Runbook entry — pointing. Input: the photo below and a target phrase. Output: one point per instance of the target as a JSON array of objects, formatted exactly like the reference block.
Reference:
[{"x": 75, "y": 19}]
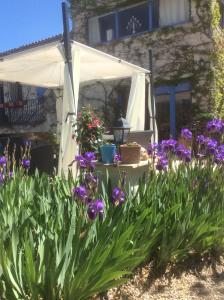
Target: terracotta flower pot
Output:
[{"x": 130, "y": 153}]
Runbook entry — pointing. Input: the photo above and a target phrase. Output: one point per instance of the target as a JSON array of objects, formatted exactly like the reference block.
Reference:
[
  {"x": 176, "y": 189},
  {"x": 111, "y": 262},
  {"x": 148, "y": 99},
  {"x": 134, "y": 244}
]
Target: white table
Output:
[{"x": 134, "y": 172}]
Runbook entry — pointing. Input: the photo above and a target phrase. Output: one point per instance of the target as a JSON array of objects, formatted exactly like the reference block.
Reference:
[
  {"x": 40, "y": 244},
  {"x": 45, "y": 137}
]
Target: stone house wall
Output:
[{"x": 179, "y": 52}]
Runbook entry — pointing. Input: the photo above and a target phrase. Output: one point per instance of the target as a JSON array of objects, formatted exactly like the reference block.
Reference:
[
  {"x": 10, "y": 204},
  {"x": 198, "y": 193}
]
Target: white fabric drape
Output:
[
  {"x": 43, "y": 66},
  {"x": 173, "y": 11},
  {"x": 136, "y": 103},
  {"x": 94, "y": 31},
  {"x": 151, "y": 103},
  {"x": 68, "y": 145}
]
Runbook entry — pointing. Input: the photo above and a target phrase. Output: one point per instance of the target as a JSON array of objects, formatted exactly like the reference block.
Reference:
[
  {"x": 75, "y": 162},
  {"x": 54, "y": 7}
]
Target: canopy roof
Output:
[{"x": 44, "y": 66}]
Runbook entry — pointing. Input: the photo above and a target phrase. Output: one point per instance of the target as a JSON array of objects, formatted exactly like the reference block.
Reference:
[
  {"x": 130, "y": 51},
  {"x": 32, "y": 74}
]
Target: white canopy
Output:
[{"x": 44, "y": 66}]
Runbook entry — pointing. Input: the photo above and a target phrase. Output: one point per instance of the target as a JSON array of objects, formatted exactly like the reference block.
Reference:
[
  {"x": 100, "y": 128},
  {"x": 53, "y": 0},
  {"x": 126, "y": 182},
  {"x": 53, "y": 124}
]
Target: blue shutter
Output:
[{"x": 155, "y": 14}]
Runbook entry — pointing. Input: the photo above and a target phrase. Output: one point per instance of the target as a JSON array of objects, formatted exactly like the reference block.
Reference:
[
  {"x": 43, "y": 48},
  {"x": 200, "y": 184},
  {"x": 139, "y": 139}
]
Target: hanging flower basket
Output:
[{"x": 130, "y": 153}]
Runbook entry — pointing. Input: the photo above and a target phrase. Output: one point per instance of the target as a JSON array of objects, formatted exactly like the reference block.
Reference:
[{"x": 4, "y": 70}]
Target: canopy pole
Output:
[
  {"x": 67, "y": 40},
  {"x": 152, "y": 94}
]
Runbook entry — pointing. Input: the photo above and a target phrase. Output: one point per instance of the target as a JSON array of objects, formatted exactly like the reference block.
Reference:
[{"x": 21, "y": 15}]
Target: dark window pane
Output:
[
  {"x": 133, "y": 20},
  {"x": 155, "y": 14},
  {"x": 107, "y": 28}
]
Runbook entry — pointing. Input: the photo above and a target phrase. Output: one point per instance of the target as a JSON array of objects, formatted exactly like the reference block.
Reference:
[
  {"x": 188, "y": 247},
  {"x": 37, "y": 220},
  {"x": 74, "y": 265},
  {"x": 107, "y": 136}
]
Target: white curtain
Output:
[
  {"x": 136, "y": 103},
  {"x": 173, "y": 11},
  {"x": 94, "y": 31},
  {"x": 68, "y": 145},
  {"x": 152, "y": 104}
]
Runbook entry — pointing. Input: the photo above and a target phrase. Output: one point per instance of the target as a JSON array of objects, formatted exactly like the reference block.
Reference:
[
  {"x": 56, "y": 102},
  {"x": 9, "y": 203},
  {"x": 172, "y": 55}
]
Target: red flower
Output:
[
  {"x": 90, "y": 126},
  {"x": 96, "y": 122}
]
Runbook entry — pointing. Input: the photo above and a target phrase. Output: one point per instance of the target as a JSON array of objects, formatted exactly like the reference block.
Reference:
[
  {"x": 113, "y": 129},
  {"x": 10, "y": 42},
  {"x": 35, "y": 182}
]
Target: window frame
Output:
[
  {"x": 117, "y": 36},
  {"x": 149, "y": 29},
  {"x": 172, "y": 90},
  {"x": 116, "y": 12}
]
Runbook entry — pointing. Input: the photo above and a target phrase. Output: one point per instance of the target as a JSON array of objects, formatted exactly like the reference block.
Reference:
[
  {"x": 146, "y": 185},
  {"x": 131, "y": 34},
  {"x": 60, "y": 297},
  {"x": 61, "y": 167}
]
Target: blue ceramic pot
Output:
[{"x": 108, "y": 152}]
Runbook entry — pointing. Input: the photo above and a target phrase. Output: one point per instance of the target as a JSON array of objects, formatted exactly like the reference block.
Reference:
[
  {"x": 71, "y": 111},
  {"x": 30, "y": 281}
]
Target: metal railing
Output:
[{"x": 27, "y": 112}]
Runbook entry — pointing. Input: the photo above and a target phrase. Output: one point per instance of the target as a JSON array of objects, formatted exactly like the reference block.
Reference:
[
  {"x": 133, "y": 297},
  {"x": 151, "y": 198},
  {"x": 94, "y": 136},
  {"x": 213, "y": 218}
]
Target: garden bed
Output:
[
  {"x": 192, "y": 280},
  {"x": 66, "y": 238}
]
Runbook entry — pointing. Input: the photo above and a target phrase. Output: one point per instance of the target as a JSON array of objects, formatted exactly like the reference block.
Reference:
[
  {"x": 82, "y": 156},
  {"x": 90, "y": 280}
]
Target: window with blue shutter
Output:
[
  {"x": 107, "y": 26},
  {"x": 137, "y": 19},
  {"x": 133, "y": 20}
]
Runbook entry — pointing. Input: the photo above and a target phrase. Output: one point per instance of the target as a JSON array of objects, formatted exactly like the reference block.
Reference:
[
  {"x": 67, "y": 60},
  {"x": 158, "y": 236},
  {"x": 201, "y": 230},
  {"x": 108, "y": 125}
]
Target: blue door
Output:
[{"x": 173, "y": 109}]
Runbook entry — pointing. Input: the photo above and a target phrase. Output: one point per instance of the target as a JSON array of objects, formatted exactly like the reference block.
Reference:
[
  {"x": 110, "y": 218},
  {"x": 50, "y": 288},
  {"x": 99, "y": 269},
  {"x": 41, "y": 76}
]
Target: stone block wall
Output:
[{"x": 179, "y": 52}]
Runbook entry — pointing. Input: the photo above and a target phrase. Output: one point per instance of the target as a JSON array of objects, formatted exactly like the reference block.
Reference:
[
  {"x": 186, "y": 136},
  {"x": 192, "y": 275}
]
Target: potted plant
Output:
[
  {"x": 89, "y": 131},
  {"x": 130, "y": 153},
  {"x": 108, "y": 151}
]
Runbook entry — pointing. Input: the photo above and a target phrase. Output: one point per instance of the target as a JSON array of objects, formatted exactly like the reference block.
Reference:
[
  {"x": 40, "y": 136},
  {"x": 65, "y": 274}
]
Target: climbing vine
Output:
[
  {"x": 218, "y": 62},
  {"x": 183, "y": 58}
]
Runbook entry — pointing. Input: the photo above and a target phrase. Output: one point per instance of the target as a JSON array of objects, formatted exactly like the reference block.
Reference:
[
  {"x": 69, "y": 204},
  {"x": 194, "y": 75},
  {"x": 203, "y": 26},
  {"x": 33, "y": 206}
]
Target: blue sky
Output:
[{"x": 26, "y": 21}]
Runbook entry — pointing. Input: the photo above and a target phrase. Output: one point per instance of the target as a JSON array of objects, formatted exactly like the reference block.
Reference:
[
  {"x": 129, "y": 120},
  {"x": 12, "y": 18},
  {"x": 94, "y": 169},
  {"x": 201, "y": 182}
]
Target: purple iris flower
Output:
[
  {"x": 152, "y": 148},
  {"x": 95, "y": 208},
  {"x": 183, "y": 153},
  {"x": 219, "y": 155},
  {"x": 219, "y": 158},
  {"x": 179, "y": 150},
  {"x": 80, "y": 193},
  {"x": 3, "y": 161},
  {"x": 211, "y": 145},
  {"x": 168, "y": 145},
  {"x": 215, "y": 126},
  {"x": 186, "y": 134},
  {"x": 81, "y": 161},
  {"x": 118, "y": 196},
  {"x": 162, "y": 163},
  {"x": 99, "y": 205},
  {"x": 86, "y": 161},
  {"x": 89, "y": 156},
  {"x": 221, "y": 148},
  {"x": 117, "y": 158},
  {"x": 201, "y": 139},
  {"x": 26, "y": 163},
  {"x": 92, "y": 211},
  {"x": 186, "y": 156}
]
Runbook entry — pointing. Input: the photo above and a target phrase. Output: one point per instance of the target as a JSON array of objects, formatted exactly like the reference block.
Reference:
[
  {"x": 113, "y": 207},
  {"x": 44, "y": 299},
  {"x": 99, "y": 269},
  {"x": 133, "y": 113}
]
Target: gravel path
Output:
[{"x": 191, "y": 281}]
